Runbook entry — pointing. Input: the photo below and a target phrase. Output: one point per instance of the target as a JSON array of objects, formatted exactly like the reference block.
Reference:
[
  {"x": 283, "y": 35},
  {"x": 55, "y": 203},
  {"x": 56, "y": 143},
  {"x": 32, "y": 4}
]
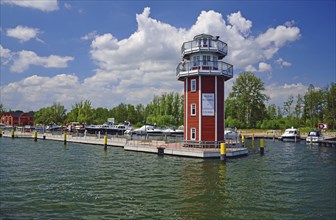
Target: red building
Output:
[
  {"x": 17, "y": 118},
  {"x": 204, "y": 74}
]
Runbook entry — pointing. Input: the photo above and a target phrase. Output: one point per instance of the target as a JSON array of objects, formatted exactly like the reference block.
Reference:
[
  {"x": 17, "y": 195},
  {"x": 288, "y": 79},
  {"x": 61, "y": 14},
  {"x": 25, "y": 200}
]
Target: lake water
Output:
[{"x": 47, "y": 180}]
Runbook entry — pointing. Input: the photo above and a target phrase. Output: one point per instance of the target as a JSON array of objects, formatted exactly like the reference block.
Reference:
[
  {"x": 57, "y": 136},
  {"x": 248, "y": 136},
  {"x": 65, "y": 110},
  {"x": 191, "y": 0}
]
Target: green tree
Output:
[
  {"x": 2, "y": 109},
  {"x": 298, "y": 109},
  {"x": 181, "y": 111},
  {"x": 272, "y": 111},
  {"x": 120, "y": 112},
  {"x": 58, "y": 113},
  {"x": 52, "y": 114},
  {"x": 81, "y": 112},
  {"x": 287, "y": 106},
  {"x": 140, "y": 113},
  {"x": 246, "y": 102},
  {"x": 101, "y": 115},
  {"x": 279, "y": 113},
  {"x": 330, "y": 107},
  {"x": 165, "y": 110},
  {"x": 131, "y": 113},
  {"x": 314, "y": 102},
  {"x": 42, "y": 116}
]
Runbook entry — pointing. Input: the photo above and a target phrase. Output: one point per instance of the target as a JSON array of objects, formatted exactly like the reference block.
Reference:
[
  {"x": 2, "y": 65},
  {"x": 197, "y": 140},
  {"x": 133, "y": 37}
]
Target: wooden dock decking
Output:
[{"x": 147, "y": 146}]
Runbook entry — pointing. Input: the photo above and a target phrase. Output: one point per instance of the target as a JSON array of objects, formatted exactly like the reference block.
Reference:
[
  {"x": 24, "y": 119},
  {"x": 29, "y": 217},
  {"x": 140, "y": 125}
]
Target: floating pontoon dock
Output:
[{"x": 148, "y": 146}]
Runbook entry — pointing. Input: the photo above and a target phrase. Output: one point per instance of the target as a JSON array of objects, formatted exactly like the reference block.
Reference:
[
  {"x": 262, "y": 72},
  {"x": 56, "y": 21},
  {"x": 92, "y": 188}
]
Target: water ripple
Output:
[{"x": 47, "y": 180}]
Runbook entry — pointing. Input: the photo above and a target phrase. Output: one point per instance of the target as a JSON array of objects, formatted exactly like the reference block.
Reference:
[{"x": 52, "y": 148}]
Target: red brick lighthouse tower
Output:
[{"x": 204, "y": 72}]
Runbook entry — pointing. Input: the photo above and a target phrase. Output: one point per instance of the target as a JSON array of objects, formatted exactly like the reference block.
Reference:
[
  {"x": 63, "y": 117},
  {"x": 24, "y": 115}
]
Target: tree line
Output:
[
  {"x": 245, "y": 107},
  {"x": 164, "y": 110}
]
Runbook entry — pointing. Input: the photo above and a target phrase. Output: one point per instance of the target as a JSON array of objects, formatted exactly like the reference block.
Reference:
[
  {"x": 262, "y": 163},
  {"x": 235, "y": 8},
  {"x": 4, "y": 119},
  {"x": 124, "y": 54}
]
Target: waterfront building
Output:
[
  {"x": 204, "y": 73},
  {"x": 17, "y": 118}
]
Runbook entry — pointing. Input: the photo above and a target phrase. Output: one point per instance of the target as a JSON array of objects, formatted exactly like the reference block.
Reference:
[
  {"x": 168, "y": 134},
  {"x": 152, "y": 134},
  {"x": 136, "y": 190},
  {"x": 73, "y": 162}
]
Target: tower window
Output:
[
  {"x": 215, "y": 62},
  {"x": 196, "y": 60},
  {"x": 193, "y": 85},
  {"x": 193, "y": 109},
  {"x": 206, "y": 60},
  {"x": 205, "y": 42},
  {"x": 193, "y": 133}
]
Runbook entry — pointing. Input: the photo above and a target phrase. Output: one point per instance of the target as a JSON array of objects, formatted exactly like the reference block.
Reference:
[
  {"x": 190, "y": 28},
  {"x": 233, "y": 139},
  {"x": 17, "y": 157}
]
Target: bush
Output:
[{"x": 230, "y": 122}]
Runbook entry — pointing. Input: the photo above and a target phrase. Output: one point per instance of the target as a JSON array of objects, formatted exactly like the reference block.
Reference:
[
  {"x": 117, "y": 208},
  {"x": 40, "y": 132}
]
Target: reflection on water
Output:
[{"x": 46, "y": 179}]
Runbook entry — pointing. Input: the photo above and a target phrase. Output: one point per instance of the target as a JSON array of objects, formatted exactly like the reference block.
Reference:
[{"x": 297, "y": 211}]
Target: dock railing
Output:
[{"x": 211, "y": 144}]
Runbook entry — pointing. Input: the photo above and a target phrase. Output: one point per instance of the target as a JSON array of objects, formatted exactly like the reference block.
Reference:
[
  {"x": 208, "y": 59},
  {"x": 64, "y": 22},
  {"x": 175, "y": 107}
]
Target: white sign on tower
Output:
[{"x": 208, "y": 104}]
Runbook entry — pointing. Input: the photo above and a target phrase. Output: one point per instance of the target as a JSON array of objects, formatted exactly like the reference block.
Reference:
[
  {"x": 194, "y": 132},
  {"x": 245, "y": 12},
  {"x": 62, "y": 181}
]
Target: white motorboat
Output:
[
  {"x": 314, "y": 136},
  {"x": 147, "y": 129},
  {"x": 291, "y": 134},
  {"x": 54, "y": 127},
  {"x": 174, "y": 131},
  {"x": 231, "y": 134}
]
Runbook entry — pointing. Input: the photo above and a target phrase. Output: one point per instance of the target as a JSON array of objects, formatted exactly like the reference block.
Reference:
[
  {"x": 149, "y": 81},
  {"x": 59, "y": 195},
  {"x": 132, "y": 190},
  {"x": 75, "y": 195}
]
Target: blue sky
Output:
[{"x": 127, "y": 51}]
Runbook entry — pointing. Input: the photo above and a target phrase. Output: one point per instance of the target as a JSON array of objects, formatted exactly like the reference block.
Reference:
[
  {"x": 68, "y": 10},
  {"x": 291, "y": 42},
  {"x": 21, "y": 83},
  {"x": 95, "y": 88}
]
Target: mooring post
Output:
[
  {"x": 105, "y": 142},
  {"x": 223, "y": 152},
  {"x": 0, "y": 133},
  {"x": 243, "y": 140},
  {"x": 161, "y": 151},
  {"x": 65, "y": 138},
  {"x": 12, "y": 132},
  {"x": 35, "y": 135},
  {"x": 262, "y": 146},
  {"x": 44, "y": 136}
]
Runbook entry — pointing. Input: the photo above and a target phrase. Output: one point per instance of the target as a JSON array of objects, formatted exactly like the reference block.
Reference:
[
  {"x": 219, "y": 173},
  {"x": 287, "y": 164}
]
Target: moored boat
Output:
[
  {"x": 147, "y": 129},
  {"x": 231, "y": 134},
  {"x": 173, "y": 131},
  {"x": 314, "y": 136},
  {"x": 291, "y": 134},
  {"x": 108, "y": 128},
  {"x": 54, "y": 128}
]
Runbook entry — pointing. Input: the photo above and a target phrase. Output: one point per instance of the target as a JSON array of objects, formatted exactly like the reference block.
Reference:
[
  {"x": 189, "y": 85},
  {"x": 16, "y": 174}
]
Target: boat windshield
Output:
[{"x": 312, "y": 133}]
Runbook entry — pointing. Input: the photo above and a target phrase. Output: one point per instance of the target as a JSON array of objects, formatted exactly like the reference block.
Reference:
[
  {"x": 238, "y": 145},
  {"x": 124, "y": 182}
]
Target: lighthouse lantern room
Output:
[{"x": 204, "y": 72}]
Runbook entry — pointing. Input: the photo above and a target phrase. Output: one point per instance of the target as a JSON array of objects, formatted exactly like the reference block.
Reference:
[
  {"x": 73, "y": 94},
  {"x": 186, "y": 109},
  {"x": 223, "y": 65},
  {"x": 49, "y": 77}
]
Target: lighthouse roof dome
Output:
[{"x": 201, "y": 36}]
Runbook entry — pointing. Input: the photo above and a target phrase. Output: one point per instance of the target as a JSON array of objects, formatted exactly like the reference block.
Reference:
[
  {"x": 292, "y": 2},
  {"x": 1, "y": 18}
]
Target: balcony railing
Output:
[
  {"x": 189, "y": 68},
  {"x": 210, "y": 45}
]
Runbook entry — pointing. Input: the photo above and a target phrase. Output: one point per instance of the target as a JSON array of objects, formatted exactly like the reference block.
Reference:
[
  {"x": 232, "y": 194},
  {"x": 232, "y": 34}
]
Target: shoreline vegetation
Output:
[
  {"x": 245, "y": 108},
  {"x": 278, "y": 133}
]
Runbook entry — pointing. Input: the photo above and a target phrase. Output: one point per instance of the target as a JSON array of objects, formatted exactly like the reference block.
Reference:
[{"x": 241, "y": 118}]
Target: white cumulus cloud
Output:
[
  {"x": 42, "y": 91},
  {"x": 264, "y": 67},
  {"x": 250, "y": 68},
  {"x": 240, "y": 23},
  {"x": 23, "y": 33},
  {"x": 279, "y": 93},
  {"x": 46, "y": 5},
  {"x": 5, "y": 55},
  {"x": 23, "y": 59},
  {"x": 90, "y": 36},
  {"x": 282, "y": 63}
]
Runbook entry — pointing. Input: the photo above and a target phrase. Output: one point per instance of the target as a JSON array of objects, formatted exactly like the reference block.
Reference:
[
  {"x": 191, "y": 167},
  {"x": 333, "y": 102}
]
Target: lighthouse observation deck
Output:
[
  {"x": 210, "y": 68},
  {"x": 205, "y": 44},
  {"x": 203, "y": 56}
]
